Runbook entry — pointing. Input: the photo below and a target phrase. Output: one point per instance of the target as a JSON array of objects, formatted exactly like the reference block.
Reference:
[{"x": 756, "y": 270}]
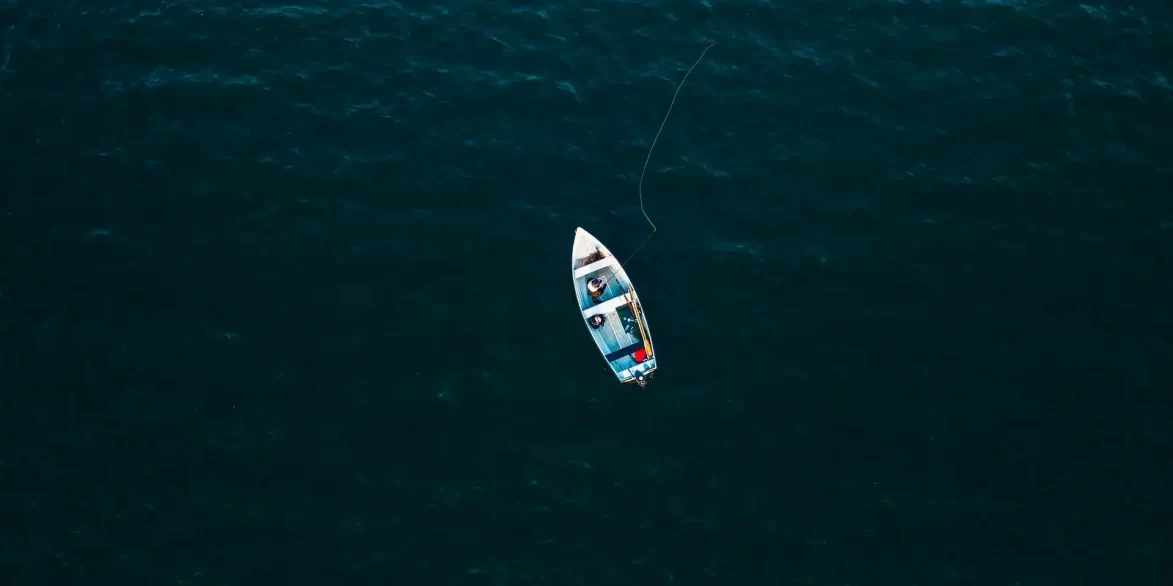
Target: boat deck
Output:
[
  {"x": 617, "y": 333},
  {"x": 619, "y": 330}
]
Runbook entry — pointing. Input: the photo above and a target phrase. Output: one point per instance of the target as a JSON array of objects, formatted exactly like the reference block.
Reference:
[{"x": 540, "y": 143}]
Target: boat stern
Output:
[{"x": 639, "y": 373}]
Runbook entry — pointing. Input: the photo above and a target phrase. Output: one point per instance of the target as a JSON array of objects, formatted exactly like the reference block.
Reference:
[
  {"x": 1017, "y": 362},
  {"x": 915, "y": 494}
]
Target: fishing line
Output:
[
  {"x": 653, "y": 147},
  {"x": 626, "y": 290},
  {"x": 649, "y": 158}
]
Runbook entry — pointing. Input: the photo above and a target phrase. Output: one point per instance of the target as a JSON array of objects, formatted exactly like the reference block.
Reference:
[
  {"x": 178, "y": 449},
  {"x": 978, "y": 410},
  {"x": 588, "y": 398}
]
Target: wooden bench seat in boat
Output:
[
  {"x": 608, "y": 261},
  {"x": 605, "y": 307}
]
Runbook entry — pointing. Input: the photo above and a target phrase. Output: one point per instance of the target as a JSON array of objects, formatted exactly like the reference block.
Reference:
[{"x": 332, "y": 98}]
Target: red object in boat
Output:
[{"x": 640, "y": 355}]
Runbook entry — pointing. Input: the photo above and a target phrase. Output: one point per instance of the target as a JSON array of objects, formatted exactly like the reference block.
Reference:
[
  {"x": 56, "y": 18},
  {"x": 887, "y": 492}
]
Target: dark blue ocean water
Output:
[{"x": 284, "y": 294}]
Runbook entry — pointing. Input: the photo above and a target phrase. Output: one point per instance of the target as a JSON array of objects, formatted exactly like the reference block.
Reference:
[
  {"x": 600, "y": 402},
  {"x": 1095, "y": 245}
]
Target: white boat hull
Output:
[{"x": 624, "y": 339}]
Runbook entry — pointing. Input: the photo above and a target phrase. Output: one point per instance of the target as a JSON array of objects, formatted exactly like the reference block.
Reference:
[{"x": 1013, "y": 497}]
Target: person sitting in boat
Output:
[
  {"x": 596, "y": 321},
  {"x": 595, "y": 287}
]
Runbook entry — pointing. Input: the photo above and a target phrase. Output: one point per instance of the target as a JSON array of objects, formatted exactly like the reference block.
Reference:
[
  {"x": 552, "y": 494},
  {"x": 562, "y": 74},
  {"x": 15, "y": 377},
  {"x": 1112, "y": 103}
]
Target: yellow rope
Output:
[{"x": 645, "y": 170}]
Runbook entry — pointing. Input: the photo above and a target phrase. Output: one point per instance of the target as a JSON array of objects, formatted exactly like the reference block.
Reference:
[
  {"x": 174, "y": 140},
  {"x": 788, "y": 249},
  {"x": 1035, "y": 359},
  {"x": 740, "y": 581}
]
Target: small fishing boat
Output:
[{"x": 611, "y": 310}]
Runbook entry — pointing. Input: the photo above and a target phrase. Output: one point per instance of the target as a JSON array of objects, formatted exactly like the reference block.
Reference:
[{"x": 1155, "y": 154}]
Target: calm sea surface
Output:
[{"x": 284, "y": 295}]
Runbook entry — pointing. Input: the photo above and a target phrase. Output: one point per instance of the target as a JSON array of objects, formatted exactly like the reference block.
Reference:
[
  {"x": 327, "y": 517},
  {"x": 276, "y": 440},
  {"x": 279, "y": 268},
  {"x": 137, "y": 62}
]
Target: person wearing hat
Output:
[{"x": 595, "y": 287}]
